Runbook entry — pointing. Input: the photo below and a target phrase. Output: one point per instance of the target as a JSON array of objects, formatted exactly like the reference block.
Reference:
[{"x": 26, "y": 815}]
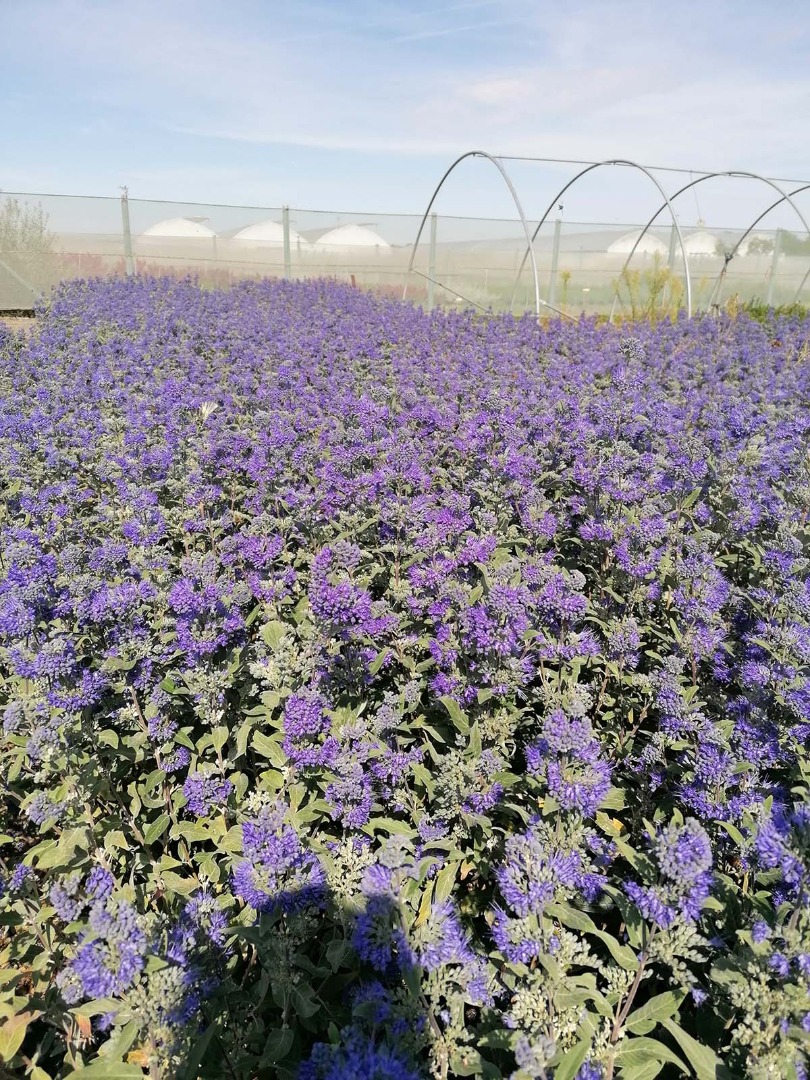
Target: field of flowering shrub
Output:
[{"x": 391, "y": 696}]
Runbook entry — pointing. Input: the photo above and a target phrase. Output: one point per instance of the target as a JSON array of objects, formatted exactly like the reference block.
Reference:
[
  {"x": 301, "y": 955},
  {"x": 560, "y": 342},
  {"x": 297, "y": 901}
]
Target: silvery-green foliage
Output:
[{"x": 399, "y": 696}]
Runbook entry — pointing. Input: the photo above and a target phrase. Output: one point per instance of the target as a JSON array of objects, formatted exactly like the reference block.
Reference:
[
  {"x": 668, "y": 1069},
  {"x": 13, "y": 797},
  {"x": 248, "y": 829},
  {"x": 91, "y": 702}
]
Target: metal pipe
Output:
[
  {"x": 129, "y": 262},
  {"x": 599, "y": 164},
  {"x": 431, "y": 263},
  {"x": 711, "y": 176},
  {"x": 479, "y": 153}
]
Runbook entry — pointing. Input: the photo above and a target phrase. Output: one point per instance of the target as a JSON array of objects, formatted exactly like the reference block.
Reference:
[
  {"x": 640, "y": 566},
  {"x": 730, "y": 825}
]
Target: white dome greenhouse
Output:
[
  {"x": 649, "y": 245},
  {"x": 351, "y": 236},
  {"x": 269, "y": 234},
  {"x": 180, "y": 228},
  {"x": 702, "y": 243}
]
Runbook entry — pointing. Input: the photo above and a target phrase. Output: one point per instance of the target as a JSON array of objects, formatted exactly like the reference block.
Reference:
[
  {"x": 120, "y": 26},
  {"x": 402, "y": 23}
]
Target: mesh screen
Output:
[{"x": 581, "y": 266}]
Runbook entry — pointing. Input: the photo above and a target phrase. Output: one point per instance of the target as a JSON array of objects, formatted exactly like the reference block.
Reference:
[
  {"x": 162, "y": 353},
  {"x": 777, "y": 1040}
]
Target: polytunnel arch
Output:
[
  {"x": 784, "y": 196},
  {"x": 499, "y": 166},
  {"x": 750, "y": 229},
  {"x": 598, "y": 165}
]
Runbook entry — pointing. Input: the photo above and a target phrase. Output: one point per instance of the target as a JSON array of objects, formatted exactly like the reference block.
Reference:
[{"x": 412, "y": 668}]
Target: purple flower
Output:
[
  {"x": 441, "y": 940},
  {"x": 70, "y": 896},
  {"x": 779, "y": 845},
  {"x": 277, "y": 874},
  {"x": 41, "y": 809},
  {"x": 567, "y": 756},
  {"x": 379, "y": 938},
  {"x": 204, "y": 791},
  {"x": 779, "y": 963},
  {"x": 357, "y": 1055},
  {"x": 177, "y": 760},
  {"x": 760, "y": 932},
  {"x": 305, "y": 721},
  {"x": 111, "y": 954},
  {"x": 683, "y": 857},
  {"x": 21, "y": 876}
]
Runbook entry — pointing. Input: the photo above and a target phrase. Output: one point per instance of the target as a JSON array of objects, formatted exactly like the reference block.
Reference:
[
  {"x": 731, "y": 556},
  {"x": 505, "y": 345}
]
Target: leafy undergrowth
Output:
[{"x": 392, "y": 695}]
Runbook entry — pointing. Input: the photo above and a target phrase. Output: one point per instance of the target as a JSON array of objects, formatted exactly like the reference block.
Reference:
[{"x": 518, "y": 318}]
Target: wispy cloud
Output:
[
  {"x": 447, "y": 31},
  {"x": 400, "y": 78}
]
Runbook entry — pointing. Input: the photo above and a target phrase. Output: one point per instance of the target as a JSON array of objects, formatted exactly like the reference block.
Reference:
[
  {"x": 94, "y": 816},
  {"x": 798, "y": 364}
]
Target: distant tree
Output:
[
  {"x": 760, "y": 245},
  {"x": 791, "y": 244},
  {"x": 27, "y": 264},
  {"x": 23, "y": 228}
]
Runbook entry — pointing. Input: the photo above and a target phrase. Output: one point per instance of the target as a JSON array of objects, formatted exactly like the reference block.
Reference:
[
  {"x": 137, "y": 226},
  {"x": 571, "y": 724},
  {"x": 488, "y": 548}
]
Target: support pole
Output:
[
  {"x": 432, "y": 263},
  {"x": 285, "y": 225},
  {"x": 777, "y": 247},
  {"x": 673, "y": 247},
  {"x": 555, "y": 258},
  {"x": 129, "y": 261}
]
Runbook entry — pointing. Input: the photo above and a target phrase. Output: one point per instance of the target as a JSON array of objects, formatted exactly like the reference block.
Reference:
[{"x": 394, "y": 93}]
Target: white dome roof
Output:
[
  {"x": 180, "y": 227},
  {"x": 269, "y": 233},
  {"x": 649, "y": 245},
  {"x": 701, "y": 243},
  {"x": 351, "y": 236}
]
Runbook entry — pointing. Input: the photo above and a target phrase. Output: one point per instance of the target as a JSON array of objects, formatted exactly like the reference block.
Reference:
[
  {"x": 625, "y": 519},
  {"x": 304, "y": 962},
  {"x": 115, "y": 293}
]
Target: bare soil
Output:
[{"x": 18, "y": 322}]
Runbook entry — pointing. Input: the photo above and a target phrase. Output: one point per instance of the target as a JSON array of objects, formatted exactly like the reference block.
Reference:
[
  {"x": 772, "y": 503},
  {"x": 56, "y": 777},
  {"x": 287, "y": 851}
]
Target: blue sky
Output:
[{"x": 359, "y": 104}]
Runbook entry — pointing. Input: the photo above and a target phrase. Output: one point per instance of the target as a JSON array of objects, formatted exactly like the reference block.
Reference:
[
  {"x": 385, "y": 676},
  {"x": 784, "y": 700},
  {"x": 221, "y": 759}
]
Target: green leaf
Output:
[
  {"x": 190, "y": 830},
  {"x": 278, "y": 1045},
  {"x": 269, "y": 747},
  {"x": 642, "y": 1051},
  {"x": 115, "y": 839},
  {"x": 614, "y": 800},
  {"x": 660, "y": 1007},
  {"x": 197, "y": 1052},
  {"x": 378, "y": 661},
  {"x": 62, "y": 852},
  {"x": 176, "y": 884},
  {"x": 457, "y": 715},
  {"x": 303, "y": 1003},
  {"x": 466, "y": 1062},
  {"x": 642, "y": 1072},
  {"x": 335, "y": 952},
  {"x": 101, "y": 1069},
  {"x": 475, "y": 740},
  {"x": 704, "y": 1061},
  {"x": 445, "y": 880},
  {"x": 273, "y": 633},
  {"x": 570, "y": 1062},
  {"x": 156, "y": 829},
  {"x": 219, "y": 736},
  {"x": 12, "y": 1034},
  {"x": 578, "y": 920},
  {"x": 733, "y": 832},
  {"x": 389, "y": 825}
]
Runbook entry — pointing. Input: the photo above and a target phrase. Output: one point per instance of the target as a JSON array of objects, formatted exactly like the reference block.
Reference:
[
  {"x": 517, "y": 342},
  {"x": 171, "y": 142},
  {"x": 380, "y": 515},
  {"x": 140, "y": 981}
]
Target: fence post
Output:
[
  {"x": 129, "y": 261},
  {"x": 777, "y": 247},
  {"x": 673, "y": 247},
  {"x": 285, "y": 225},
  {"x": 555, "y": 258},
  {"x": 431, "y": 263}
]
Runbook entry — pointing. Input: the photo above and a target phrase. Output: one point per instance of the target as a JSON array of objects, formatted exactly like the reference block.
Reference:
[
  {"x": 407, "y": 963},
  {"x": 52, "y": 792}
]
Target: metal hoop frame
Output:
[
  {"x": 562, "y": 191},
  {"x": 753, "y": 225},
  {"x": 712, "y": 176},
  {"x": 497, "y": 161},
  {"x": 538, "y": 303}
]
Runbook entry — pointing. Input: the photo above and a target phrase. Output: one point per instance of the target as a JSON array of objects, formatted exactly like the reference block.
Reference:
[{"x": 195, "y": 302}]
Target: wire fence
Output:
[{"x": 581, "y": 266}]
